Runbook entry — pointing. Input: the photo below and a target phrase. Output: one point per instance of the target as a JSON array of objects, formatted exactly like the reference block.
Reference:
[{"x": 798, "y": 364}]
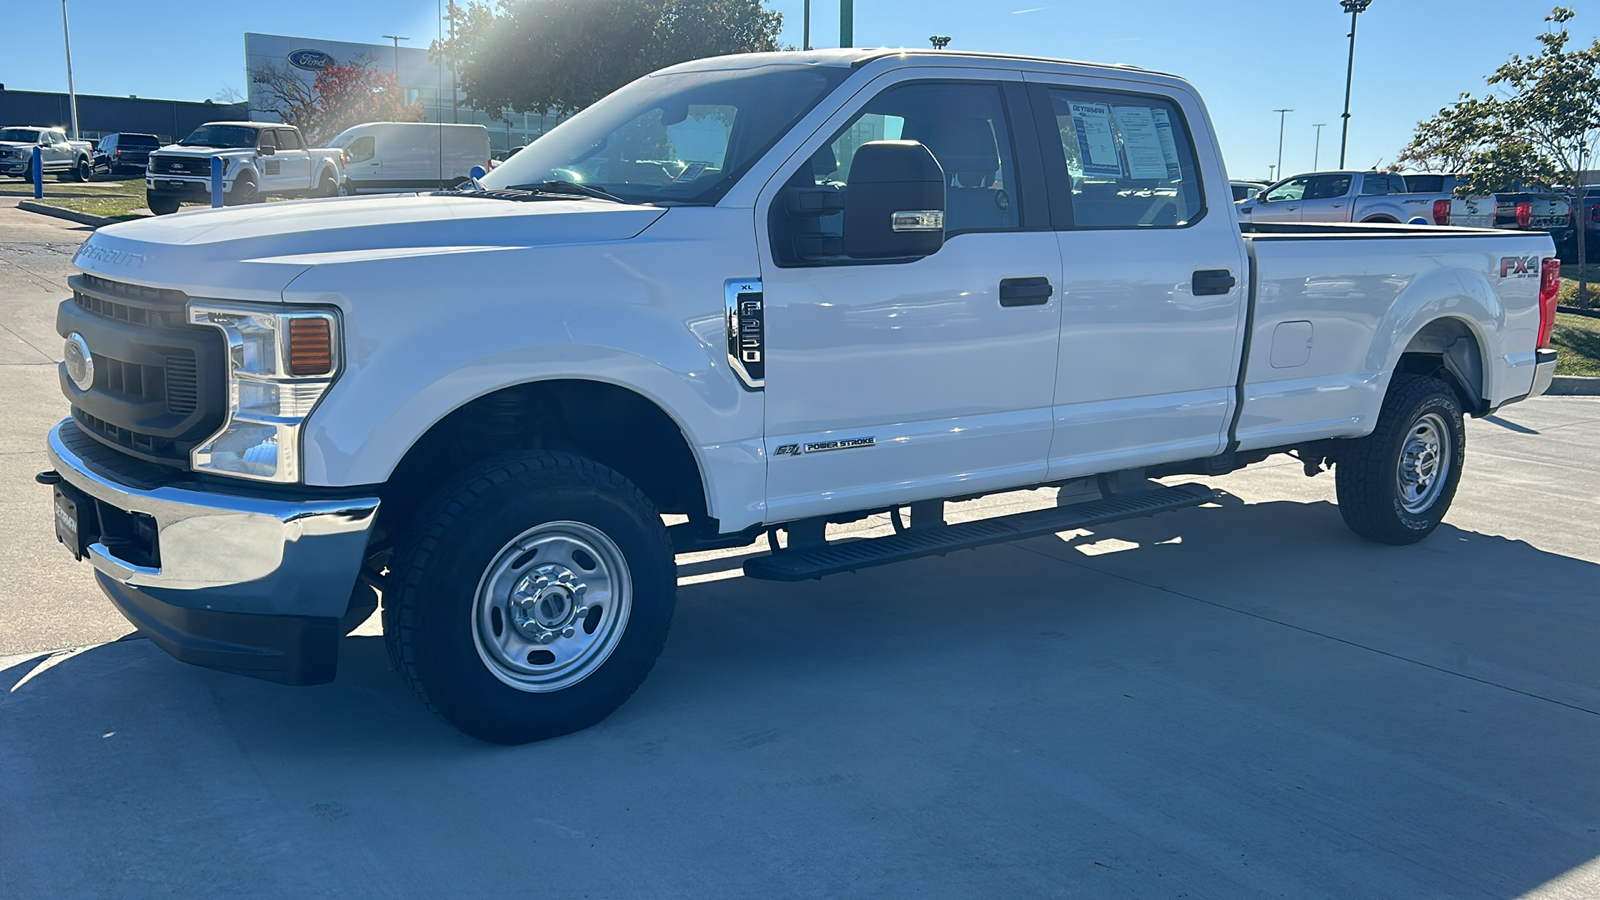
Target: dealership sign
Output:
[{"x": 311, "y": 60}]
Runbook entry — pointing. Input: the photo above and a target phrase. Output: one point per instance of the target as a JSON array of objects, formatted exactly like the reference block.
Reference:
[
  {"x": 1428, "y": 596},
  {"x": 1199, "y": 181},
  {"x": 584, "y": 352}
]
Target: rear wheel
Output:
[
  {"x": 161, "y": 204},
  {"x": 530, "y": 597},
  {"x": 1395, "y": 485},
  {"x": 328, "y": 186}
]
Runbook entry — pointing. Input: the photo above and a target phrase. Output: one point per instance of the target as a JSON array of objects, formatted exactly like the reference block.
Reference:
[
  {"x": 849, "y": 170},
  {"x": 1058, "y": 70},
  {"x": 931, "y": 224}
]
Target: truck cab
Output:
[{"x": 1345, "y": 196}]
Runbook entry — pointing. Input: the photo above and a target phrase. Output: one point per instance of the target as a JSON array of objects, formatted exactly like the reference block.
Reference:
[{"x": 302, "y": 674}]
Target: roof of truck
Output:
[{"x": 859, "y": 56}]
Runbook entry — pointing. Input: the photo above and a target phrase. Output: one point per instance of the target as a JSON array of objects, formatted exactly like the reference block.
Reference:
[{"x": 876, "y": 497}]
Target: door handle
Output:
[
  {"x": 1212, "y": 281},
  {"x": 1025, "y": 291}
]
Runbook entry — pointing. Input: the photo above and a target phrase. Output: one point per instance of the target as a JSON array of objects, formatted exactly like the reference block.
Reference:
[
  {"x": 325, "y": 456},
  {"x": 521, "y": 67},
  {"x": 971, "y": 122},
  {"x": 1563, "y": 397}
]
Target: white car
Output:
[
  {"x": 63, "y": 158},
  {"x": 758, "y": 293},
  {"x": 385, "y": 157},
  {"x": 259, "y": 159}
]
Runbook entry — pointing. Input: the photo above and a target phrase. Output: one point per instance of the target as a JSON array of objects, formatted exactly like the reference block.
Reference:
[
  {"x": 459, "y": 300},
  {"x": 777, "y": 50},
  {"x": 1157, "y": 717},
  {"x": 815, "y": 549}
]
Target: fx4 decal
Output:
[{"x": 1519, "y": 267}]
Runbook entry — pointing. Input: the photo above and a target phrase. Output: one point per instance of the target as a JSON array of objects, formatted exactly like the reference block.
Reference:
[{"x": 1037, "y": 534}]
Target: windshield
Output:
[
  {"x": 678, "y": 139},
  {"x": 233, "y": 136},
  {"x": 19, "y": 135},
  {"x": 138, "y": 140}
]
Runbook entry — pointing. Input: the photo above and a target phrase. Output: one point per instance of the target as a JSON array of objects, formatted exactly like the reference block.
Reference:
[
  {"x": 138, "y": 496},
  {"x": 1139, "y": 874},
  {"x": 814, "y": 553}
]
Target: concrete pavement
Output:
[{"x": 1238, "y": 701}]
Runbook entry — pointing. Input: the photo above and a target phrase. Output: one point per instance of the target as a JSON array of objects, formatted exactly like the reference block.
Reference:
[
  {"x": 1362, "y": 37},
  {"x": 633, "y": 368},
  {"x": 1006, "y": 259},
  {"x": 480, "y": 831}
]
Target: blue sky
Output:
[{"x": 1247, "y": 57}]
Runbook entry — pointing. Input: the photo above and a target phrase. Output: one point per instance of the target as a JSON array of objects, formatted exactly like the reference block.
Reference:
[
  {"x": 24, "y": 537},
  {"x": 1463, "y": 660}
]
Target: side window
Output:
[
  {"x": 1294, "y": 189},
  {"x": 1374, "y": 185},
  {"x": 962, "y": 124},
  {"x": 1328, "y": 187},
  {"x": 266, "y": 139},
  {"x": 1130, "y": 159},
  {"x": 362, "y": 150},
  {"x": 289, "y": 140}
]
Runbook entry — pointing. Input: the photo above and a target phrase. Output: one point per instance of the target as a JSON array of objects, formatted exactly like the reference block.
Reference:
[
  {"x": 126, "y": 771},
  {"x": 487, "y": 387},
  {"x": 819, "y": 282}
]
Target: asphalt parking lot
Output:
[{"x": 1243, "y": 700}]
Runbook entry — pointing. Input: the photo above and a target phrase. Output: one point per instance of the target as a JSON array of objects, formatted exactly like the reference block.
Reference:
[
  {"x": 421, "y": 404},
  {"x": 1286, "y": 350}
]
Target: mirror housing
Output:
[
  {"x": 1261, "y": 196},
  {"x": 894, "y": 203},
  {"x": 267, "y": 151}
]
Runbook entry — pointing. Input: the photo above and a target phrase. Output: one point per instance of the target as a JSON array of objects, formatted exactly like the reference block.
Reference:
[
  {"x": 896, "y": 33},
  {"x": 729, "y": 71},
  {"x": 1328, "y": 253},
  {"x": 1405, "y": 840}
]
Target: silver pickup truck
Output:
[{"x": 62, "y": 158}]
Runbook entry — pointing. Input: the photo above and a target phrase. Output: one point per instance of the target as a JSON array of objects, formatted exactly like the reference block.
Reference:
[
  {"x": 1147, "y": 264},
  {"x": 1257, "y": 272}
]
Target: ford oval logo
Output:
[
  {"x": 79, "y": 362},
  {"x": 313, "y": 60}
]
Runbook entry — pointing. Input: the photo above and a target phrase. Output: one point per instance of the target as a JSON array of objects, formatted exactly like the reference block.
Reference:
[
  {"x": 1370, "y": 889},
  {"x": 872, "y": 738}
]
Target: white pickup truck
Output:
[
  {"x": 259, "y": 159},
  {"x": 62, "y": 158},
  {"x": 757, "y": 294}
]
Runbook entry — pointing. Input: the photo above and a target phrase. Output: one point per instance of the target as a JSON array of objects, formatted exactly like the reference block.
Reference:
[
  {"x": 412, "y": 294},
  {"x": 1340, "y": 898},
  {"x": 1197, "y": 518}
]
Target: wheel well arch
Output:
[
  {"x": 1383, "y": 218},
  {"x": 1449, "y": 349},
  {"x": 612, "y": 425}
]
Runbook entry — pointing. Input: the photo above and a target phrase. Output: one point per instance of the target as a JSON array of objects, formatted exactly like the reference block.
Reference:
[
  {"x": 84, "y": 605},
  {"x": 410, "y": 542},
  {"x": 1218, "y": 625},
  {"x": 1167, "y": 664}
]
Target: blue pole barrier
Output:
[
  {"x": 38, "y": 173},
  {"x": 216, "y": 182}
]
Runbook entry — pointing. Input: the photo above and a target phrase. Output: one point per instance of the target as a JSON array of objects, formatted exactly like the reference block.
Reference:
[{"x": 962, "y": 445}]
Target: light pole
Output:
[
  {"x": 805, "y": 39},
  {"x": 72, "y": 95},
  {"x": 847, "y": 23},
  {"x": 939, "y": 41},
  {"x": 1355, "y": 8},
  {"x": 1316, "y": 155},
  {"x": 393, "y": 37},
  {"x": 1283, "y": 116},
  {"x": 1272, "y": 173}
]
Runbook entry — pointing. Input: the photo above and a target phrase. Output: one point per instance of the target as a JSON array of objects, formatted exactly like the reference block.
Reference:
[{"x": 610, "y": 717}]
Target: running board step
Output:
[{"x": 848, "y": 556}]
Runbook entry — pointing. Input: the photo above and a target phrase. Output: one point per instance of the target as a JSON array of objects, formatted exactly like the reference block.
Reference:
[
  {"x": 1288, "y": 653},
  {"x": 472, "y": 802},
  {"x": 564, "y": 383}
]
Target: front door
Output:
[
  {"x": 1327, "y": 199},
  {"x": 294, "y": 161},
  {"x": 1153, "y": 279},
  {"x": 892, "y": 381},
  {"x": 1282, "y": 202}
]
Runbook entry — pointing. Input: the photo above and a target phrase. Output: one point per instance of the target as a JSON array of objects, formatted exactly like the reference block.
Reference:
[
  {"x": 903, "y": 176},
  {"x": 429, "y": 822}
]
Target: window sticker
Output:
[
  {"x": 1097, "y": 146},
  {"x": 1141, "y": 142},
  {"x": 1169, "y": 146}
]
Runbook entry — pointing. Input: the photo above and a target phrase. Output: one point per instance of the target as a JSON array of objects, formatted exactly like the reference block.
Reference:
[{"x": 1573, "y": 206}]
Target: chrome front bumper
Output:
[{"x": 244, "y": 581}]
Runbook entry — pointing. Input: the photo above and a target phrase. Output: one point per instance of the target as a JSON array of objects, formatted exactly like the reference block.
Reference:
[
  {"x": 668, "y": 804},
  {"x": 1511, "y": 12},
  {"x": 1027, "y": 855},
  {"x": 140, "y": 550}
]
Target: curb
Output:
[
  {"x": 1579, "y": 311},
  {"x": 70, "y": 215},
  {"x": 1574, "y": 386}
]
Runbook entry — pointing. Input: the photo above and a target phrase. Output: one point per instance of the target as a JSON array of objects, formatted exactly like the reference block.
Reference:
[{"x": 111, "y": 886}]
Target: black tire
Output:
[
  {"x": 162, "y": 204},
  {"x": 1371, "y": 483},
  {"x": 244, "y": 191},
  {"x": 434, "y": 625},
  {"x": 328, "y": 186},
  {"x": 82, "y": 171}
]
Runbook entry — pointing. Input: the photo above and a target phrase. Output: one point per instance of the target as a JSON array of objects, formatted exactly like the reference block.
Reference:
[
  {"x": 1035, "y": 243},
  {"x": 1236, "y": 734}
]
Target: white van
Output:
[{"x": 409, "y": 156}]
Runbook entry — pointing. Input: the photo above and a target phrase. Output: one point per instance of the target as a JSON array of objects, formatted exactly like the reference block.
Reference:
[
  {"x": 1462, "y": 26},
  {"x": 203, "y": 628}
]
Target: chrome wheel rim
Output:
[
  {"x": 1424, "y": 463},
  {"x": 552, "y": 606}
]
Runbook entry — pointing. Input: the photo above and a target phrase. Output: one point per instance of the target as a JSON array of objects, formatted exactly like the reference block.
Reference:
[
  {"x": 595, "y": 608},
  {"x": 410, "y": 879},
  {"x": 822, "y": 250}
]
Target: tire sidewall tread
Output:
[{"x": 1365, "y": 469}]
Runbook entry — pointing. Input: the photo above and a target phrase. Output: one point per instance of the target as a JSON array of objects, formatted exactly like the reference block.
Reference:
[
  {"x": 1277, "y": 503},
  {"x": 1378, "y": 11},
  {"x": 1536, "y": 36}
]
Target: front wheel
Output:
[
  {"x": 82, "y": 172},
  {"x": 244, "y": 191},
  {"x": 530, "y": 597},
  {"x": 1395, "y": 485}
]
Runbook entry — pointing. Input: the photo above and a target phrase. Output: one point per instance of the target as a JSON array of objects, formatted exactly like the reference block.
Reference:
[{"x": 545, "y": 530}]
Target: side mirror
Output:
[
  {"x": 267, "y": 151},
  {"x": 894, "y": 205},
  {"x": 1261, "y": 196}
]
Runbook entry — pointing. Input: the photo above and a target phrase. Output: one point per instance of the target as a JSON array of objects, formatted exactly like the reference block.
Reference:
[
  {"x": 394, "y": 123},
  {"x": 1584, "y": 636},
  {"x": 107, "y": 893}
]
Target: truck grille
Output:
[
  {"x": 160, "y": 383},
  {"x": 182, "y": 165}
]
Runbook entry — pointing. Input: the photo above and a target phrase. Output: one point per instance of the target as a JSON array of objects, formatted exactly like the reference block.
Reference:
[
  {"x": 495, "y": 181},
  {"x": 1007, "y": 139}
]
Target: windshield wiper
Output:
[{"x": 568, "y": 187}]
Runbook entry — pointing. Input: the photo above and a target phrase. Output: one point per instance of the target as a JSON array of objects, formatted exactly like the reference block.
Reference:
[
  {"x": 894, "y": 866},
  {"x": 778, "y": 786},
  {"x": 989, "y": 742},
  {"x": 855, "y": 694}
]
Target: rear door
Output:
[
  {"x": 1153, "y": 277},
  {"x": 1328, "y": 198}
]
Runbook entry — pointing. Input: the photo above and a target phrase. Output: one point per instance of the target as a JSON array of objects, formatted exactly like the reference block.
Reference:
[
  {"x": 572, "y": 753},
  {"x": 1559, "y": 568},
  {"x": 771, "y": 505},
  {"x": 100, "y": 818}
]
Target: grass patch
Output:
[
  {"x": 1569, "y": 286},
  {"x": 63, "y": 189},
  {"x": 1577, "y": 341},
  {"x": 112, "y": 206}
]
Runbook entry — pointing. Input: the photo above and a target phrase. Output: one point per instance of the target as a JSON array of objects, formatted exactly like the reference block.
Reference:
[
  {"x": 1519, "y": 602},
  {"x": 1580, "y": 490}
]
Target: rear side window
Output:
[
  {"x": 1327, "y": 187},
  {"x": 138, "y": 140},
  {"x": 1380, "y": 184},
  {"x": 1130, "y": 158}
]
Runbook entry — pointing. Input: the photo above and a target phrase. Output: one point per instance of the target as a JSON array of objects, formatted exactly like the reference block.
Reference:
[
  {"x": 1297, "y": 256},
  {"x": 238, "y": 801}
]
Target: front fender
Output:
[{"x": 427, "y": 334}]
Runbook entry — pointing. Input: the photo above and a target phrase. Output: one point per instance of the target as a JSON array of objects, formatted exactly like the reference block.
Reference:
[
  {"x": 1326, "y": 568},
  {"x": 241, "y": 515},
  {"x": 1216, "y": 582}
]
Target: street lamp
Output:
[
  {"x": 393, "y": 37},
  {"x": 939, "y": 41},
  {"x": 72, "y": 95},
  {"x": 1316, "y": 155},
  {"x": 805, "y": 39},
  {"x": 1283, "y": 116},
  {"x": 1354, "y": 8},
  {"x": 847, "y": 23}
]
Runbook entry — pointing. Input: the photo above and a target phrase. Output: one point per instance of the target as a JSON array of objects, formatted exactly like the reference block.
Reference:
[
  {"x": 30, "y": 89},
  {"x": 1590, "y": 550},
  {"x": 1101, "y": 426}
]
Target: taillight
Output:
[
  {"x": 1524, "y": 213},
  {"x": 1549, "y": 291},
  {"x": 1441, "y": 212},
  {"x": 1594, "y": 213}
]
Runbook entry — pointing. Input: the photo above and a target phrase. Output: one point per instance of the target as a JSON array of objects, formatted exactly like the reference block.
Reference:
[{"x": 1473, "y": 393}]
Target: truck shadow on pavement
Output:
[{"x": 1233, "y": 701}]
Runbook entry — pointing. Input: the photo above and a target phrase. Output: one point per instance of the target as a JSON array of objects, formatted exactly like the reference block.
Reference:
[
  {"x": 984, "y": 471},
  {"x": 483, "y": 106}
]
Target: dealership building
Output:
[
  {"x": 423, "y": 80},
  {"x": 99, "y": 116}
]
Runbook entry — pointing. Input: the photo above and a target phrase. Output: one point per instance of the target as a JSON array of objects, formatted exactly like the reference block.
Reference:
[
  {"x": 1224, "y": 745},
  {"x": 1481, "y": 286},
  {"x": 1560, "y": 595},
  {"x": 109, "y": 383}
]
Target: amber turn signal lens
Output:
[{"x": 310, "y": 346}]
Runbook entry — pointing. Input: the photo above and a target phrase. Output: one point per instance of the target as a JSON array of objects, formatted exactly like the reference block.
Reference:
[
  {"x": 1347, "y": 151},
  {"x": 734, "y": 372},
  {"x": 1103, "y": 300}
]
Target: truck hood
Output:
[{"x": 253, "y": 252}]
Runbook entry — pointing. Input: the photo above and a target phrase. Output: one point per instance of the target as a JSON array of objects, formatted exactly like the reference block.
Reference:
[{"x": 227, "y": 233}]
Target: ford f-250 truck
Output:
[
  {"x": 63, "y": 158},
  {"x": 259, "y": 159},
  {"x": 759, "y": 294}
]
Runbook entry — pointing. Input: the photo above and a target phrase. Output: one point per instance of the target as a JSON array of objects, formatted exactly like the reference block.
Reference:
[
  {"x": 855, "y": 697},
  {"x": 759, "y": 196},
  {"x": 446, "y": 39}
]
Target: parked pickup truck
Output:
[
  {"x": 259, "y": 159},
  {"x": 758, "y": 295},
  {"x": 62, "y": 158}
]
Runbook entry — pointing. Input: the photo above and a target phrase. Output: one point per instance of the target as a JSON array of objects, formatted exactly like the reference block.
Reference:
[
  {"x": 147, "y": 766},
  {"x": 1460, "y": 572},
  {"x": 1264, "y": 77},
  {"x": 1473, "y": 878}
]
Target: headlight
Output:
[
  {"x": 226, "y": 162},
  {"x": 281, "y": 360}
]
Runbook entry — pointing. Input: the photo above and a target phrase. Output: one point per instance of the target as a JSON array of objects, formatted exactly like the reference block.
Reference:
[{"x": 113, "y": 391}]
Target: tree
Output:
[
  {"x": 1539, "y": 124},
  {"x": 558, "y": 56},
  {"x": 341, "y": 95}
]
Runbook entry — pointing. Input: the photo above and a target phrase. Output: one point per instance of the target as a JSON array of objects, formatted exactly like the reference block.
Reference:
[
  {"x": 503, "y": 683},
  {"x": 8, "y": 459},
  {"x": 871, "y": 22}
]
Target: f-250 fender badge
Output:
[
  {"x": 825, "y": 446},
  {"x": 747, "y": 334},
  {"x": 1520, "y": 266}
]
